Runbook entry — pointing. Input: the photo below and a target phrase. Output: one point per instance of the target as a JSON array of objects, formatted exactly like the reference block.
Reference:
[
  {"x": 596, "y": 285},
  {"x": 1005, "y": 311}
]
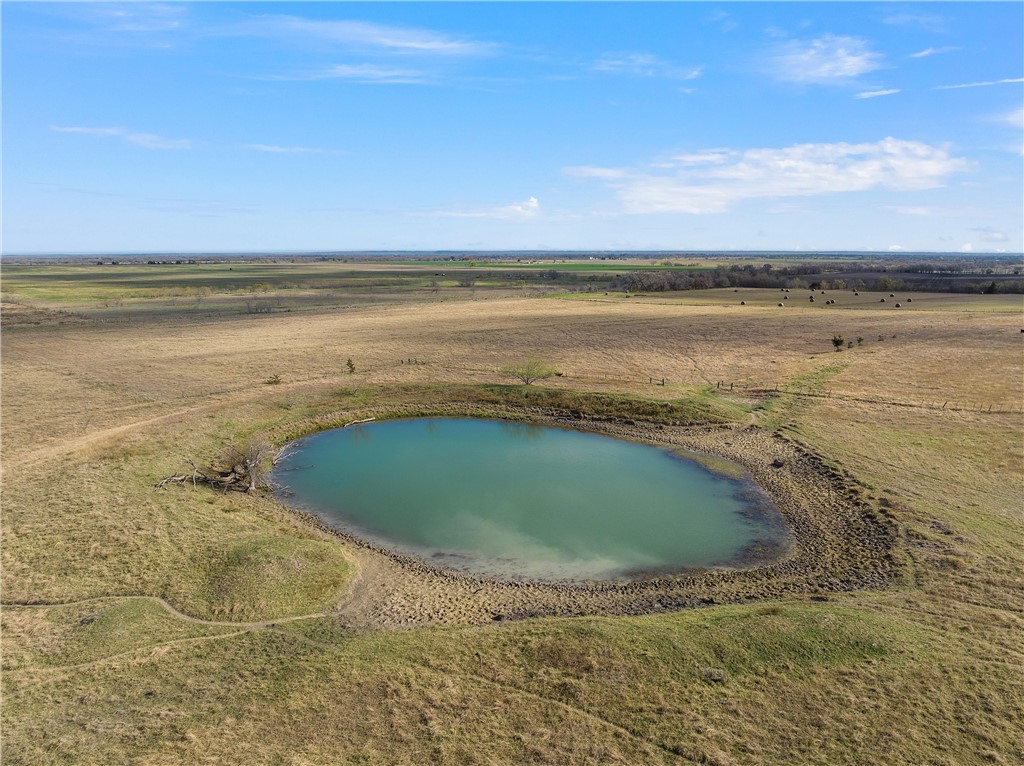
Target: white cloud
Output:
[
  {"x": 775, "y": 173},
  {"x": 986, "y": 84},
  {"x": 896, "y": 248},
  {"x": 392, "y": 39},
  {"x": 877, "y": 93},
  {"x": 828, "y": 60},
  {"x": 146, "y": 140},
  {"x": 966, "y": 247},
  {"x": 644, "y": 65},
  {"x": 271, "y": 149},
  {"x": 933, "y": 51},
  {"x": 529, "y": 208}
]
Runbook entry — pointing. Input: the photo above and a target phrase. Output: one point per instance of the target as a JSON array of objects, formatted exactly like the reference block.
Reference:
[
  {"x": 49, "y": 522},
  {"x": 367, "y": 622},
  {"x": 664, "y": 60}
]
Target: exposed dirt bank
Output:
[{"x": 840, "y": 541}]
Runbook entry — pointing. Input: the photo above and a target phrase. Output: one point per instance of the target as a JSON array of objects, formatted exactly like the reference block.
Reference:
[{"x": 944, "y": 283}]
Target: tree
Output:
[
  {"x": 243, "y": 466},
  {"x": 529, "y": 370},
  {"x": 837, "y": 341}
]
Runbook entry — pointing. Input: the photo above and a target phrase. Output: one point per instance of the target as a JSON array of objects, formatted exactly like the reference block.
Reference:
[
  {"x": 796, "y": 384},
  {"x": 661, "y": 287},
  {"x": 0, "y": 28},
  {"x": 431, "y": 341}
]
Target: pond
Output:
[{"x": 519, "y": 501}]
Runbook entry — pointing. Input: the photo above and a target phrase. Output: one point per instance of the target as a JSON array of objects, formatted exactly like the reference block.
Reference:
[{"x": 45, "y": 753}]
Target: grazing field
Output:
[{"x": 180, "y": 625}]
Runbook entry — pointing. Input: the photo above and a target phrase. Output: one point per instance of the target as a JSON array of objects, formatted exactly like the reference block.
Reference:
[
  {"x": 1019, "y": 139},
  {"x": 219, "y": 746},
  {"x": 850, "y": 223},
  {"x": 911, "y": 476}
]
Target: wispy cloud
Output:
[
  {"x": 272, "y": 149},
  {"x": 131, "y": 16},
  {"x": 530, "y": 208},
  {"x": 927, "y": 21},
  {"x": 644, "y": 65},
  {"x": 933, "y": 51},
  {"x": 1014, "y": 118},
  {"x": 381, "y": 37},
  {"x": 706, "y": 157},
  {"x": 917, "y": 210},
  {"x": 991, "y": 234},
  {"x": 723, "y": 20},
  {"x": 830, "y": 59},
  {"x": 146, "y": 140},
  {"x": 877, "y": 93},
  {"x": 729, "y": 177},
  {"x": 363, "y": 73},
  {"x": 986, "y": 84}
]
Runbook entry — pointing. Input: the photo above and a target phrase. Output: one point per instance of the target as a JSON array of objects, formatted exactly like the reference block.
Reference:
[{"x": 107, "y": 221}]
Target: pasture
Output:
[{"x": 179, "y": 625}]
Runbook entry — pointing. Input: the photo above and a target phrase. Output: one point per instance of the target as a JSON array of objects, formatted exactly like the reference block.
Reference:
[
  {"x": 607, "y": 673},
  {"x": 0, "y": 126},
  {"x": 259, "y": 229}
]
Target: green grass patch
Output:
[
  {"x": 715, "y": 464},
  {"x": 264, "y": 576}
]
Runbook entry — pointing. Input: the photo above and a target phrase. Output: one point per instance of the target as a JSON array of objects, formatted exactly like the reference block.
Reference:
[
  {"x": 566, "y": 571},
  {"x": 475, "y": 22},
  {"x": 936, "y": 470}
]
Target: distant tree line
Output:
[{"x": 815, "y": 277}]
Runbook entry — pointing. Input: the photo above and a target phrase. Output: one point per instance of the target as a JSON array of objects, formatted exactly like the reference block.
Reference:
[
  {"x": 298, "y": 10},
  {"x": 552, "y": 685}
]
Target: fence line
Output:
[{"x": 948, "y": 405}]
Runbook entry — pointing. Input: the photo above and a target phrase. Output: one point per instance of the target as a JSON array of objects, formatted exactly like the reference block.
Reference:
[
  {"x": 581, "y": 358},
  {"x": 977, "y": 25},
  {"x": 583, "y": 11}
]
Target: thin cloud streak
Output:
[
  {"x": 145, "y": 140},
  {"x": 644, "y": 65},
  {"x": 933, "y": 52},
  {"x": 391, "y": 39},
  {"x": 1006, "y": 81},
  {"x": 360, "y": 73},
  {"x": 877, "y": 93},
  {"x": 530, "y": 208}
]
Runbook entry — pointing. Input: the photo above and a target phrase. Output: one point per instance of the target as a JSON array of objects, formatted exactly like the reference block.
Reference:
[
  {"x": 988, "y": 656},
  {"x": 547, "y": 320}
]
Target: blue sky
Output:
[{"x": 295, "y": 126}]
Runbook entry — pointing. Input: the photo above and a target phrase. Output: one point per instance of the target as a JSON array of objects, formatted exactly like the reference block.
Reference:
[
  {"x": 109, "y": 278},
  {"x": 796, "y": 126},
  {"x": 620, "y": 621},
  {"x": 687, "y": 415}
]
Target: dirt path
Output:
[
  {"x": 171, "y": 611},
  {"x": 65, "y": 446}
]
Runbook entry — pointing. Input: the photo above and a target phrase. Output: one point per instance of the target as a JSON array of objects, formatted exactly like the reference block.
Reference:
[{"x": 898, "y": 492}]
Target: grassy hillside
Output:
[{"x": 166, "y": 626}]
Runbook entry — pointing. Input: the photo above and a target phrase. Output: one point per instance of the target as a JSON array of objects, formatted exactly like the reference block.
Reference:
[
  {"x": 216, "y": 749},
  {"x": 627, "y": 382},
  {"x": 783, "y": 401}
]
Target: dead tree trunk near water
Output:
[{"x": 242, "y": 467}]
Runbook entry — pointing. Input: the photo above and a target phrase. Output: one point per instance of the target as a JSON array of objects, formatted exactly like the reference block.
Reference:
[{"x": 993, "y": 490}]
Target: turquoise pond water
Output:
[{"x": 510, "y": 500}]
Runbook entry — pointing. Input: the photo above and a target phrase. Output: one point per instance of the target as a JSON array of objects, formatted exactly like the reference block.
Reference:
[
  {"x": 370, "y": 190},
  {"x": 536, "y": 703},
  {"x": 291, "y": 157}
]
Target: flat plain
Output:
[{"x": 180, "y": 625}]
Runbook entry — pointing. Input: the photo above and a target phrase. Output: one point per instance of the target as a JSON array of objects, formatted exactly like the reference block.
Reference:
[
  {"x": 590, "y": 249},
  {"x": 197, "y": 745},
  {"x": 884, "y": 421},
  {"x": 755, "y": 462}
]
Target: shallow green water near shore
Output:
[{"x": 513, "y": 500}]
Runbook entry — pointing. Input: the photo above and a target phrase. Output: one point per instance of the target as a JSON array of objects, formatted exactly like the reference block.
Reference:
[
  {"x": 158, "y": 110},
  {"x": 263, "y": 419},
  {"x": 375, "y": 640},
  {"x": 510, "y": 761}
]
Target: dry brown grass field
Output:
[{"x": 165, "y": 626}]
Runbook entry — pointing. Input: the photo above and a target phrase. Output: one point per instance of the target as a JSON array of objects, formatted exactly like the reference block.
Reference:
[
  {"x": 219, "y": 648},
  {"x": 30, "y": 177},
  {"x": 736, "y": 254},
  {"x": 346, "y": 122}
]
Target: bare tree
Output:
[
  {"x": 242, "y": 466},
  {"x": 529, "y": 370}
]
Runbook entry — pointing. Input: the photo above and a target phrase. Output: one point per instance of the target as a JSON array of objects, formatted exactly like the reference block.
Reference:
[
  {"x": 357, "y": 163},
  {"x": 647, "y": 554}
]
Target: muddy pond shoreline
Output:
[{"x": 840, "y": 541}]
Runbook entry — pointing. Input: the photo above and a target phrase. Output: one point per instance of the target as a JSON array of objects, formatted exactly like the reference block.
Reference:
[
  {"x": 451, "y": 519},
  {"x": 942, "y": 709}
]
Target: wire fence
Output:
[{"x": 955, "y": 404}]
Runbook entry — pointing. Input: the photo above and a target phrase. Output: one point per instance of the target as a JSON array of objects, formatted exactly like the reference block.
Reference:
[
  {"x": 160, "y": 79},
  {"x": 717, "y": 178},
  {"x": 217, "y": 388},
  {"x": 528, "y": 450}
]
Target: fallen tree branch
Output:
[
  {"x": 357, "y": 422},
  {"x": 243, "y": 467}
]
